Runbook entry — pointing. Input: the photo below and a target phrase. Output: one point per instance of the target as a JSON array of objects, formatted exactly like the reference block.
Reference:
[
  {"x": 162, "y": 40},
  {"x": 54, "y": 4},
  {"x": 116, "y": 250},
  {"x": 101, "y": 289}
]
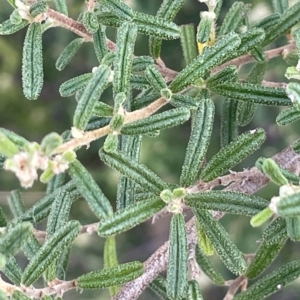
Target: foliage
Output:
[{"x": 140, "y": 87}]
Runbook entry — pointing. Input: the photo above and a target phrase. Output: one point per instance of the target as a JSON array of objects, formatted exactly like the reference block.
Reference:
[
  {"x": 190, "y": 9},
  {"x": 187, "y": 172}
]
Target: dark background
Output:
[{"x": 163, "y": 154}]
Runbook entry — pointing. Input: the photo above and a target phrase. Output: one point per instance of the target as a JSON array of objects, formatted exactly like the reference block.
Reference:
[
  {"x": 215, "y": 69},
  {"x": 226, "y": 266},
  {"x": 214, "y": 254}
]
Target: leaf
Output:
[
  {"x": 155, "y": 26},
  {"x": 252, "y": 93},
  {"x": 15, "y": 203},
  {"x": 137, "y": 172},
  {"x": 119, "y": 9},
  {"x": 264, "y": 256},
  {"x": 210, "y": 58},
  {"x": 293, "y": 92},
  {"x": 230, "y": 202},
  {"x": 141, "y": 63},
  {"x": 167, "y": 11},
  {"x": 110, "y": 276},
  {"x": 188, "y": 42},
  {"x": 193, "y": 291},
  {"x": 179, "y": 100},
  {"x": 272, "y": 170},
  {"x": 229, "y": 122},
  {"x": 123, "y": 60},
  {"x": 100, "y": 46},
  {"x": 68, "y": 53},
  {"x": 21, "y": 142},
  {"x": 178, "y": 258},
  {"x": 166, "y": 119},
  {"x": 275, "y": 232},
  {"x": 280, "y": 6},
  {"x": 71, "y": 86},
  {"x": 155, "y": 79},
  {"x": 229, "y": 254},
  {"x": 207, "y": 267},
  {"x": 17, "y": 295},
  {"x": 227, "y": 74},
  {"x": 61, "y": 6},
  {"x": 102, "y": 110},
  {"x": 37, "y": 8},
  {"x": 89, "y": 189},
  {"x": 293, "y": 228},
  {"x": 289, "y": 206},
  {"x": 90, "y": 21},
  {"x": 15, "y": 238},
  {"x": 49, "y": 251},
  {"x": 270, "y": 283},
  {"x": 110, "y": 259},
  {"x": 203, "y": 242},
  {"x": 90, "y": 95},
  {"x": 7, "y": 27},
  {"x": 287, "y": 20},
  {"x": 204, "y": 29},
  {"x": 130, "y": 145},
  {"x": 129, "y": 217},
  {"x": 233, "y": 153},
  {"x": 3, "y": 222},
  {"x": 233, "y": 18},
  {"x": 13, "y": 271},
  {"x": 198, "y": 142},
  {"x": 158, "y": 285},
  {"x": 32, "y": 62},
  {"x": 7, "y": 147}
]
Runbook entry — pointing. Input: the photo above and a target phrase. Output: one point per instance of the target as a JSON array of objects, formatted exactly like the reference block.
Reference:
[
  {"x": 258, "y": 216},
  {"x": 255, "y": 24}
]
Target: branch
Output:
[{"x": 248, "y": 181}]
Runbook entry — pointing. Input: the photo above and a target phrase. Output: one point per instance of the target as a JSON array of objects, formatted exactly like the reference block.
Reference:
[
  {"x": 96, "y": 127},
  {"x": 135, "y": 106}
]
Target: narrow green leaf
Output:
[
  {"x": 167, "y": 11},
  {"x": 141, "y": 63},
  {"x": 15, "y": 203},
  {"x": 207, "y": 267},
  {"x": 49, "y": 251},
  {"x": 37, "y": 8},
  {"x": 193, "y": 291},
  {"x": 230, "y": 202},
  {"x": 252, "y": 93},
  {"x": 287, "y": 20},
  {"x": 293, "y": 228},
  {"x": 102, "y": 110},
  {"x": 110, "y": 276},
  {"x": 68, "y": 53},
  {"x": 31, "y": 246},
  {"x": 135, "y": 171},
  {"x": 90, "y": 96},
  {"x": 268, "y": 22},
  {"x": 229, "y": 254},
  {"x": 71, "y": 86},
  {"x": 233, "y": 153},
  {"x": 198, "y": 142},
  {"x": 158, "y": 285},
  {"x": 123, "y": 60},
  {"x": 17, "y": 295},
  {"x": 204, "y": 29},
  {"x": 229, "y": 122},
  {"x": 100, "y": 46},
  {"x": 293, "y": 92},
  {"x": 14, "y": 240},
  {"x": 166, "y": 119},
  {"x": 41, "y": 209},
  {"x": 90, "y": 21},
  {"x": 272, "y": 282},
  {"x": 13, "y": 271},
  {"x": 110, "y": 259},
  {"x": 210, "y": 58},
  {"x": 188, "y": 42},
  {"x": 129, "y": 217},
  {"x": 89, "y": 189},
  {"x": 246, "y": 109},
  {"x": 264, "y": 256},
  {"x": 119, "y": 8},
  {"x": 7, "y": 147},
  {"x": 296, "y": 147},
  {"x": 179, "y": 100},
  {"x": 204, "y": 242},
  {"x": 55, "y": 183},
  {"x": 234, "y": 18},
  {"x": 178, "y": 258},
  {"x": 280, "y": 6},
  {"x": 3, "y": 222},
  {"x": 289, "y": 206},
  {"x": 272, "y": 170},
  {"x": 139, "y": 82},
  {"x": 32, "y": 62},
  {"x": 155, "y": 26},
  {"x": 275, "y": 232},
  {"x": 15, "y": 17},
  {"x": 261, "y": 217},
  {"x": 7, "y": 27},
  {"x": 61, "y": 6},
  {"x": 155, "y": 79},
  {"x": 130, "y": 145},
  {"x": 227, "y": 74}
]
